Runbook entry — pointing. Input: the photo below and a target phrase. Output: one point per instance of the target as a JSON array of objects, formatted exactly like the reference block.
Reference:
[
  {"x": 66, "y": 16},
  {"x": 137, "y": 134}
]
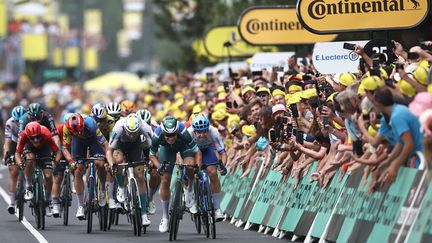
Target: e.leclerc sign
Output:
[
  {"x": 335, "y": 16},
  {"x": 270, "y": 25}
]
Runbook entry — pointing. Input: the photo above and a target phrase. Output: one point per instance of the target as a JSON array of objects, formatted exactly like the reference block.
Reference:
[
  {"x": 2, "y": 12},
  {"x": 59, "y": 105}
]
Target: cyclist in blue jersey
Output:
[
  {"x": 170, "y": 138},
  {"x": 208, "y": 139}
]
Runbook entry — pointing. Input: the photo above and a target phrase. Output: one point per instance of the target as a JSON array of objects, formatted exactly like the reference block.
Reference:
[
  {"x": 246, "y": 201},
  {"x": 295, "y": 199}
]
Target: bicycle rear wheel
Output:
[
  {"x": 40, "y": 202},
  {"x": 20, "y": 197},
  {"x": 91, "y": 189},
  {"x": 197, "y": 217}
]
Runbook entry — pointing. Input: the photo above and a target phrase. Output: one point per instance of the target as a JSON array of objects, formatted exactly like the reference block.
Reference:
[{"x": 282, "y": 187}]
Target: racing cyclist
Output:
[
  {"x": 208, "y": 138},
  {"x": 79, "y": 135},
  {"x": 127, "y": 107},
  {"x": 37, "y": 141},
  {"x": 9, "y": 148},
  {"x": 104, "y": 121},
  {"x": 132, "y": 138},
  {"x": 37, "y": 113},
  {"x": 170, "y": 138}
]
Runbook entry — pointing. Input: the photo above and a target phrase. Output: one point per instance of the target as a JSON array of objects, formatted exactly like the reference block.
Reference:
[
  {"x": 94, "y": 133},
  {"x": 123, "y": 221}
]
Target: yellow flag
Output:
[
  {"x": 91, "y": 59},
  {"x": 34, "y": 47},
  {"x": 72, "y": 57}
]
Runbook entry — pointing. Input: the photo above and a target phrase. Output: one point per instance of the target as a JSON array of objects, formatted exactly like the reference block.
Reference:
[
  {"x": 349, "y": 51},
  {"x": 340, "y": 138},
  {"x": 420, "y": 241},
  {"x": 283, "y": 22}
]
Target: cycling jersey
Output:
[
  {"x": 213, "y": 138},
  {"x": 106, "y": 126},
  {"x": 183, "y": 140},
  {"x": 47, "y": 121},
  {"x": 11, "y": 130},
  {"x": 91, "y": 130},
  {"x": 134, "y": 148},
  {"x": 46, "y": 139}
]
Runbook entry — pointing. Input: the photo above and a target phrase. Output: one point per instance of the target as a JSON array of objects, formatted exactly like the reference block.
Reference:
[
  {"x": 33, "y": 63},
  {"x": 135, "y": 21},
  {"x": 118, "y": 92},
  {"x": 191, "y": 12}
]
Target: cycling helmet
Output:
[
  {"x": 169, "y": 125},
  {"x": 98, "y": 111},
  {"x": 17, "y": 112},
  {"x": 33, "y": 129},
  {"x": 113, "y": 109},
  {"x": 75, "y": 124},
  {"x": 35, "y": 111},
  {"x": 127, "y": 106},
  {"x": 132, "y": 123},
  {"x": 145, "y": 115},
  {"x": 200, "y": 123}
]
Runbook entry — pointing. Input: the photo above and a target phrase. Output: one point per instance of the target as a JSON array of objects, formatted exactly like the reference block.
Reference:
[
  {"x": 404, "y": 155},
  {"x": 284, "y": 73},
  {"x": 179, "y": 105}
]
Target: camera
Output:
[
  {"x": 281, "y": 120},
  {"x": 226, "y": 86},
  {"x": 293, "y": 108},
  {"x": 300, "y": 137},
  {"x": 399, "y": 66}
]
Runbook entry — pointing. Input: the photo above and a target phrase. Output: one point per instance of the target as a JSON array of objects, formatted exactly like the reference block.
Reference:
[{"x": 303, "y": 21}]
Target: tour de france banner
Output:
[
  {"x": 276, "y": 25},
  {"x": 363, "y": 217},
  {"x": 336, "y": 16}
]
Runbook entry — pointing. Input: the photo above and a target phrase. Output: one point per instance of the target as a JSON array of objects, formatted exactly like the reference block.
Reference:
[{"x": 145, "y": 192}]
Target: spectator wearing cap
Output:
[
  {"x": 248, "y": 94},
  {"x": 264, "y": 94},
  {"x": 405, "y": 127},
  {"x": 343, "y": 80},
  {"x": 278, "y": 97}
]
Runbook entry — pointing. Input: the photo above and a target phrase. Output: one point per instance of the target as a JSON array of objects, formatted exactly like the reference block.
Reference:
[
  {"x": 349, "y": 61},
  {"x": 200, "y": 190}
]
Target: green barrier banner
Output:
[
  {"x": 422, "y": 228},
  {"x": 277, "y": 207},
  {"x": 229, "y": 187},
  {"x": 264, "y": 192},
  {"x": 320, "y": 206},
  {"x": 359, "y": 217},
  {"x": 243, "y": 193},
  {"x": 298, "y": 202}
]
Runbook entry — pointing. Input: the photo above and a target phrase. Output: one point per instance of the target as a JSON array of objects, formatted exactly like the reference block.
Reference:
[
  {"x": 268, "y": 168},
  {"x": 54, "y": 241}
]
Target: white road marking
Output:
[{"x": 32, "y": 230}]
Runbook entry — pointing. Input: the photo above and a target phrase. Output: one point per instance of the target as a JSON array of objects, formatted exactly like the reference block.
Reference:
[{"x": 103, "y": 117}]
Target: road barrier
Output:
[{"x": 341, "y": 212}]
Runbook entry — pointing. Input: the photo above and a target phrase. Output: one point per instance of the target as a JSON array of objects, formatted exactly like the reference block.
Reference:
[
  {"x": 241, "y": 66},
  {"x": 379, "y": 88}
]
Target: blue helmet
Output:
[
  {"x": 200, "y": 123},
  {"x": 17, "y": 112}
]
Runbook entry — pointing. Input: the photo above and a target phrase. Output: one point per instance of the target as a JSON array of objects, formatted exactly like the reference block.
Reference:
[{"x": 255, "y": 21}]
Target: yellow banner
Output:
[
  {"x": 267, "y": 25},
  {"x": 34, "y": 47},
  {"x": 198, "y": 47},
  {"x": 333, "y": 16},
  {"x": 93, "y": 21},
  {"x": 58, "y": 57},
  {"x": 72, "y": 57},
  {"x": 91, "y": 59},
  {"x": 225, "y": 40},
  {"x": 3, "y": 19},
  {"x": 132, "y": 24},
  {"x": 63, "y": 21}
]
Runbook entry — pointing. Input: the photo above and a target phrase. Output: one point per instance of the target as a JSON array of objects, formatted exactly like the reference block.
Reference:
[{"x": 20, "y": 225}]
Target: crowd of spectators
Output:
[{"x": 377, "y": 120}]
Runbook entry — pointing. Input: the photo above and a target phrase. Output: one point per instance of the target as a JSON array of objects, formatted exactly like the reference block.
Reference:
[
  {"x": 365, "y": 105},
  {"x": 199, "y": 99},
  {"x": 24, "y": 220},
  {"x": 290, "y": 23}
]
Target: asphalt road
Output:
[{"x": 13, "y": 231}]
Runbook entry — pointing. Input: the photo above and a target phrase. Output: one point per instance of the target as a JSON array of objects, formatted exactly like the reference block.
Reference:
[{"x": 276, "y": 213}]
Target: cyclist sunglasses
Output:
[
  {"x": 170, "y": 135},
  {"x": 36, "y": 138}
]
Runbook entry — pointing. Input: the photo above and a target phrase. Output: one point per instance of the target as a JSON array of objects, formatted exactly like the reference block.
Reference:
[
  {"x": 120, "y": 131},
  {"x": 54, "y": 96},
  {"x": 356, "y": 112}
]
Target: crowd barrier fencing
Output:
[{"x": 342, "y": 212}]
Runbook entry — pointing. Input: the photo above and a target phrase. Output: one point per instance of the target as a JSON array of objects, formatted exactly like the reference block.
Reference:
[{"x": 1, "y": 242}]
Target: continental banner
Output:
[
  {"x": 336, "y": 16},
  {"x": 270, "y": 25},
  {"x": 359, "y": 217}
]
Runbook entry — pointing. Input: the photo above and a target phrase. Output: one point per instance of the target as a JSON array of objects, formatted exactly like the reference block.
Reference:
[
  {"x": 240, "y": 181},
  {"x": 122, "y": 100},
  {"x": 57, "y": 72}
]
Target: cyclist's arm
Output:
[
  {"x": 22, "y": 123},
  {"x": 52, "y": 126},
  {"x": 20, "y": 147},
  {"x": 55, "y": 149},
  {"x": 67, "y": 139},
  {"x": 154, "y": 149},
  {"x": 7, "y": 141},
  {"x": 198, "y": 158}
]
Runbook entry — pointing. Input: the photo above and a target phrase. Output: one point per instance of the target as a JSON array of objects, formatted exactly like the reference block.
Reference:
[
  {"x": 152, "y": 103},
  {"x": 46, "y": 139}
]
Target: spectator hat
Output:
[{"x": 422, "y": 101}]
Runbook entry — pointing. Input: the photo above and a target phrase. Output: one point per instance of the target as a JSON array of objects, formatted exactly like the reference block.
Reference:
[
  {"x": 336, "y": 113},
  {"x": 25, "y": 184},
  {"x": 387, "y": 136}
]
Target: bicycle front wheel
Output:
[
  {"x": 20, "y": 197},
  {"x": 135, "y": 209},
  {"x": 210, "y": 211},
  {"x": 91, "y": 189},
  {"x": 66, "y": 198},
  {"x": 176, "y": 210}
]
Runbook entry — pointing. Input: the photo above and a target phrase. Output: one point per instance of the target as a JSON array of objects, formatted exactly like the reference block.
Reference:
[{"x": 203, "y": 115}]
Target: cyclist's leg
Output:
[
  {"x": 79, "y": 150},
  {"x": 135, "y": 153},
  {"x": 118, "y": 159},
  {"x": 166, "y": 154},
  {"x": 189, "y": 158},
  {"x": 13, "y": 175},
  {"x": 29, "y": 167},
  {"x": 46, "y": 166},
  {"x": 55, "y": 192}
]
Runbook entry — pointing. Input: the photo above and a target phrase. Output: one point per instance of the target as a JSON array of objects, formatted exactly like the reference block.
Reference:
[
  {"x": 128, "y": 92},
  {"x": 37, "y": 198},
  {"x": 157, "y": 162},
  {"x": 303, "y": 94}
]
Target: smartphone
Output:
[
  {"x": 376, "y": 64},
  {"x": 293, "y": 108},
  {"x": 226, "y": 86},
  {"x": 273, "y": 136},
  {"x": 257, "y": 73},
  {"x": 349, "y": 46},
  {"x": 289, "y": 130},
  {"x": 413, "y": 55},
  {"x": 326, "y": 121},
  {"x": 229, "y": 104},
  {"x": 357, "y": 147},
  {"x": 306, "y": 77},
  {"x": 294, "y": 131},
  {"x": 366, "y": 117},
  {"x": 299, "y": 137}
]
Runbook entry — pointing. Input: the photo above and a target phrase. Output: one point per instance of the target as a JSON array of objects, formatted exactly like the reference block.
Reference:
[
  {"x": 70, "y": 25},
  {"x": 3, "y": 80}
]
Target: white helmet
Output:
[
  {"x": 132, "y": 123},
  {"x": 113, "y": 109},
  {"x": 145, "y": 115},
  {"x": 98, "y": 111}
]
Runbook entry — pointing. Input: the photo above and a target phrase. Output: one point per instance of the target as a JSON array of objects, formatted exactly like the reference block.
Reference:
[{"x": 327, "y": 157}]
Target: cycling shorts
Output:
[
  {"x": 133, "y": 151},
  {"x": 80, "y": 146},
  {"x": 209, "y": 156},
  {"x": 170, "y": 155},
  {"x": 44, "y": 151}
]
